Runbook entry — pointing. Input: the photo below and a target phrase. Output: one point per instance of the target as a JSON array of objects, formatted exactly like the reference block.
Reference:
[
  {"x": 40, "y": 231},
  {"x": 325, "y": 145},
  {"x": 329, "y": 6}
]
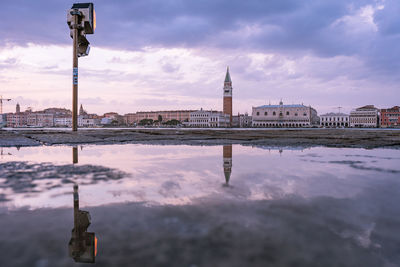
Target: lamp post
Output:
[{"x": 81, "y": 19}]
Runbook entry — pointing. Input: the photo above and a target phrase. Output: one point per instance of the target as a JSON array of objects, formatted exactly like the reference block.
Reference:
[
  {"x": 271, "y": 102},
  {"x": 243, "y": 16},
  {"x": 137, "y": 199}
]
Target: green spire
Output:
[
  {"x": 227, "y": 176},
  {"x": 228, "y": 77}
]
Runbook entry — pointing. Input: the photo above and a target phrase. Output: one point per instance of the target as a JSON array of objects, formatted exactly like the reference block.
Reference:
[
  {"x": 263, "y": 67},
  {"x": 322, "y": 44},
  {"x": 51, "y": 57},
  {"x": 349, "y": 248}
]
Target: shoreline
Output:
[{"x": 310, "y": 137}]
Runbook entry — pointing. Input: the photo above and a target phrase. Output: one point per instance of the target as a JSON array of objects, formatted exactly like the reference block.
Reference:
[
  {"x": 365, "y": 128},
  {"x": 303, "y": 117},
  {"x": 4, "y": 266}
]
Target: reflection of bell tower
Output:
[
  {"x": 227, "y": 158},
  {"x": 228, "y": 96}
]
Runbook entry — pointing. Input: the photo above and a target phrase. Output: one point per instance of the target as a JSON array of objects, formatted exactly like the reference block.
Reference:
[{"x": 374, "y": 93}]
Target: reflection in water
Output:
[
  {"x": 4, "y": 154},
  {"x": 227, "y": 163},
  {"x": 75, "y": 154},
  {"x": 83, "y": 245}
]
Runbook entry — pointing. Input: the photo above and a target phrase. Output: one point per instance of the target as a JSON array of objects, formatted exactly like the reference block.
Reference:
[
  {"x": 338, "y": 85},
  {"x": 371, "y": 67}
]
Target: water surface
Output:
[{"x": 203, "y": 205}]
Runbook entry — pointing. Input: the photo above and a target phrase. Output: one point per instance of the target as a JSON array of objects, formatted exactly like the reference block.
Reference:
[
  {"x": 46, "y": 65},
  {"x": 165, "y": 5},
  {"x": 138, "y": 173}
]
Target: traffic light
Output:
[
  {"x": 85, "y": 24},
  {"x": 82, "y": 245}
]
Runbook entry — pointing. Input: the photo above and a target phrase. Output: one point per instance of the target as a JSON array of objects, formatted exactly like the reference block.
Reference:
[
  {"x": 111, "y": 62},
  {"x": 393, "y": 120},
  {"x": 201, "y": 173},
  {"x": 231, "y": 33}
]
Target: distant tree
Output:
[
  {"x": 159, "y": 118},
  {"x": 173, "y": 122},
  {"x": 146, "y": 122}
]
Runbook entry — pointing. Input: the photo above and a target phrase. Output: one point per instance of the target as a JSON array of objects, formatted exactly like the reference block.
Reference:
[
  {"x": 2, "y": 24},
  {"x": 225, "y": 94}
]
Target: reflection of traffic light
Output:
[{"x": 83, "y": 245}]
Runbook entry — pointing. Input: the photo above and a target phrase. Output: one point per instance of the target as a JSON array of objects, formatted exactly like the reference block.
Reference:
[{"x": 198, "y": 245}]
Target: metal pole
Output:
[
  {"x": 75, "y": 75},
  {"x": 76, "y": 231},
  {"x": 75, "y": 155}
]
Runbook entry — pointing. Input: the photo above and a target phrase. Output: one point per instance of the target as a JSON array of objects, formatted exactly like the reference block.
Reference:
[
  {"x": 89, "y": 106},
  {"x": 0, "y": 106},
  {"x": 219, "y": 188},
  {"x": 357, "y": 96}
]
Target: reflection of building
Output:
[
  {"x": 284, "y": 116},
  {"x": 208, "y": 118},
  {"x": 82, "y": 245},
  {"x": 335, "y": 120},
  {"x": 366, "y": 116},
  {"x": 227, "y": 162},
  {"x": 227, "y": 109},
  {"x": 390, "y": 117}
]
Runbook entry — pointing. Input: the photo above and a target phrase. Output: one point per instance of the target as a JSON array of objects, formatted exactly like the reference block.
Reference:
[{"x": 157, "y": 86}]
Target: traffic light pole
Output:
[
  {"x": 76, "y": 230},
  {"x": 75, "y": 73}
]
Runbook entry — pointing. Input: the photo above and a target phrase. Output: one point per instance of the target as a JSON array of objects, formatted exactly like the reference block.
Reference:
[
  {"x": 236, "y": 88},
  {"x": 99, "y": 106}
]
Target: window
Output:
[
  {"x": 226, "y": 91},
  {"x": 274, "y": 113},
  {"x": 304, "y": 114},
  {"x": 295, "y": 114},
  {"x": 287, "y": 113},
  {"x": 258, "y": 113},
  {"x": 265, "y": 113}
]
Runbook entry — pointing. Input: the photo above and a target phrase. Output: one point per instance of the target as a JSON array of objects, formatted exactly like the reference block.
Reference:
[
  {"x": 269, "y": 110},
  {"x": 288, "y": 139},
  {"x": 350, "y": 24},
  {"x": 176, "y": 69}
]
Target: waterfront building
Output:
[
  {"x": 245, "y": 121},
  {"x": 63, "y": 121},
  {"x": 3, "y": 120},
  {"x": 241, "y": 120},
  {"x": 284, "y": 116},
  {"x": 35, "y": 119},
  {"x": 166, "y": 115},
  {"x": 366, "y": 116},
  {"x": 335, "y": 120},
  {"x": 208, "y": 118},
  {"x": 227, "y": 162},
  {"x": 227, "y": 105},
  {"x": 390, "y": 117},
  {"x": 17, "y": 119},
  {"x": 83, "y": 121}
]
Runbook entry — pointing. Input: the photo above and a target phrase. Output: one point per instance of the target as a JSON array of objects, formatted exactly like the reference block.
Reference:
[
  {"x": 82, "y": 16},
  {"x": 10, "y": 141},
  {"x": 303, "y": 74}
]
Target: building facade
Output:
[
  {"x": 284, "y": 116},
  {"x": 390, "y": 117},
  {"x": 40, "y": 120},
  {"x": 335, "y": 120},
  {"x": 209, "y": 119},
  {"x": 167, "y": 115},
  {"x": 227, "y": 105},
  {"x": 241, "y": 120},
  {"x": 365, "y": 117},
  {"x": 63, "y": 121}
]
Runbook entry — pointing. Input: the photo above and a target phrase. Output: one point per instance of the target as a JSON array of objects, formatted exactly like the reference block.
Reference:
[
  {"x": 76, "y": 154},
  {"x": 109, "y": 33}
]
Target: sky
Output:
[{"x": 173, "y": 54}]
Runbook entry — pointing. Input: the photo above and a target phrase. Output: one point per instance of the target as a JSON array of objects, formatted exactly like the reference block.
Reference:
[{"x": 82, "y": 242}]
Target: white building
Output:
[
  {"x": 284, "y": 116},
  {"x": 87, "y": 122},
  {"x": 63, "y": 121},
  {"x": 208, "y": 118},
  {"x": 335, "y": 120},
  {"x": 366, "y": 116}
]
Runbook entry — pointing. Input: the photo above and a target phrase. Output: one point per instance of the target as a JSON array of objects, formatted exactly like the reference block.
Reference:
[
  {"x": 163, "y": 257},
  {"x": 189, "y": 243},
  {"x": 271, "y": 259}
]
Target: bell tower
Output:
[
  {"x": 228, "y": 96},
  {"x": 227, "y": 162}
]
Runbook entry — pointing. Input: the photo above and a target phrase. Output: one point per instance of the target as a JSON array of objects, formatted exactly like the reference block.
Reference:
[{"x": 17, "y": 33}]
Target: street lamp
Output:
[{"x": 81, "y": 19}]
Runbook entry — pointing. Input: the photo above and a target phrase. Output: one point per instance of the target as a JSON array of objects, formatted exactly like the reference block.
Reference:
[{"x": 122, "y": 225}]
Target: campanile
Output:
[{"x": 228, "y": 95}]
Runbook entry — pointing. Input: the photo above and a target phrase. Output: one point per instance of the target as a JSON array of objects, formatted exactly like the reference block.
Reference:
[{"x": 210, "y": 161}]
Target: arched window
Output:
[
  {"x": 258, "y": 113},
  {"x": 265, "y": 113},
  {"x": 295, "y": 114},
  {"x": 274, "y": 113},
  {"x": 287, "y": 113}
]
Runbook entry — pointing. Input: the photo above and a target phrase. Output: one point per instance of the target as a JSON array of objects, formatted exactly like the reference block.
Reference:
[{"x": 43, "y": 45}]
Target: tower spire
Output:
[{"x": 227, "y": 76}]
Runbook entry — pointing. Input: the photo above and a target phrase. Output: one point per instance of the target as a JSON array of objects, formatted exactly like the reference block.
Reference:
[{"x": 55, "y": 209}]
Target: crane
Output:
[
  {"x": 339, "y": 109},
  {"x": 1, "y": 103}
]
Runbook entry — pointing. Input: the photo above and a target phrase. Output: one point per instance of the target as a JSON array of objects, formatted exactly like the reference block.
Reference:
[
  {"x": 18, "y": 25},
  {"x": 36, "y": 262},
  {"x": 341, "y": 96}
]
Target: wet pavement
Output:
[{"x": 171, "y": 205}]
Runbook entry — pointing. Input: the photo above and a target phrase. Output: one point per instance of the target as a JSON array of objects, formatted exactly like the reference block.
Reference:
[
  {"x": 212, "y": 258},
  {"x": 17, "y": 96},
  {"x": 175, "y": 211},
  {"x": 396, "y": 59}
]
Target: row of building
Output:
[
  {"x": 56, "y": 117},
  {"x": 295, "y": 115}
]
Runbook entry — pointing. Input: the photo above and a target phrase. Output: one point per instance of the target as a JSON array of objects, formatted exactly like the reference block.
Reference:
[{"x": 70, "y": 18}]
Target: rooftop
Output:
[
  {"x": 335, "y": 114},
  {"x": 284, "y": 106}
]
